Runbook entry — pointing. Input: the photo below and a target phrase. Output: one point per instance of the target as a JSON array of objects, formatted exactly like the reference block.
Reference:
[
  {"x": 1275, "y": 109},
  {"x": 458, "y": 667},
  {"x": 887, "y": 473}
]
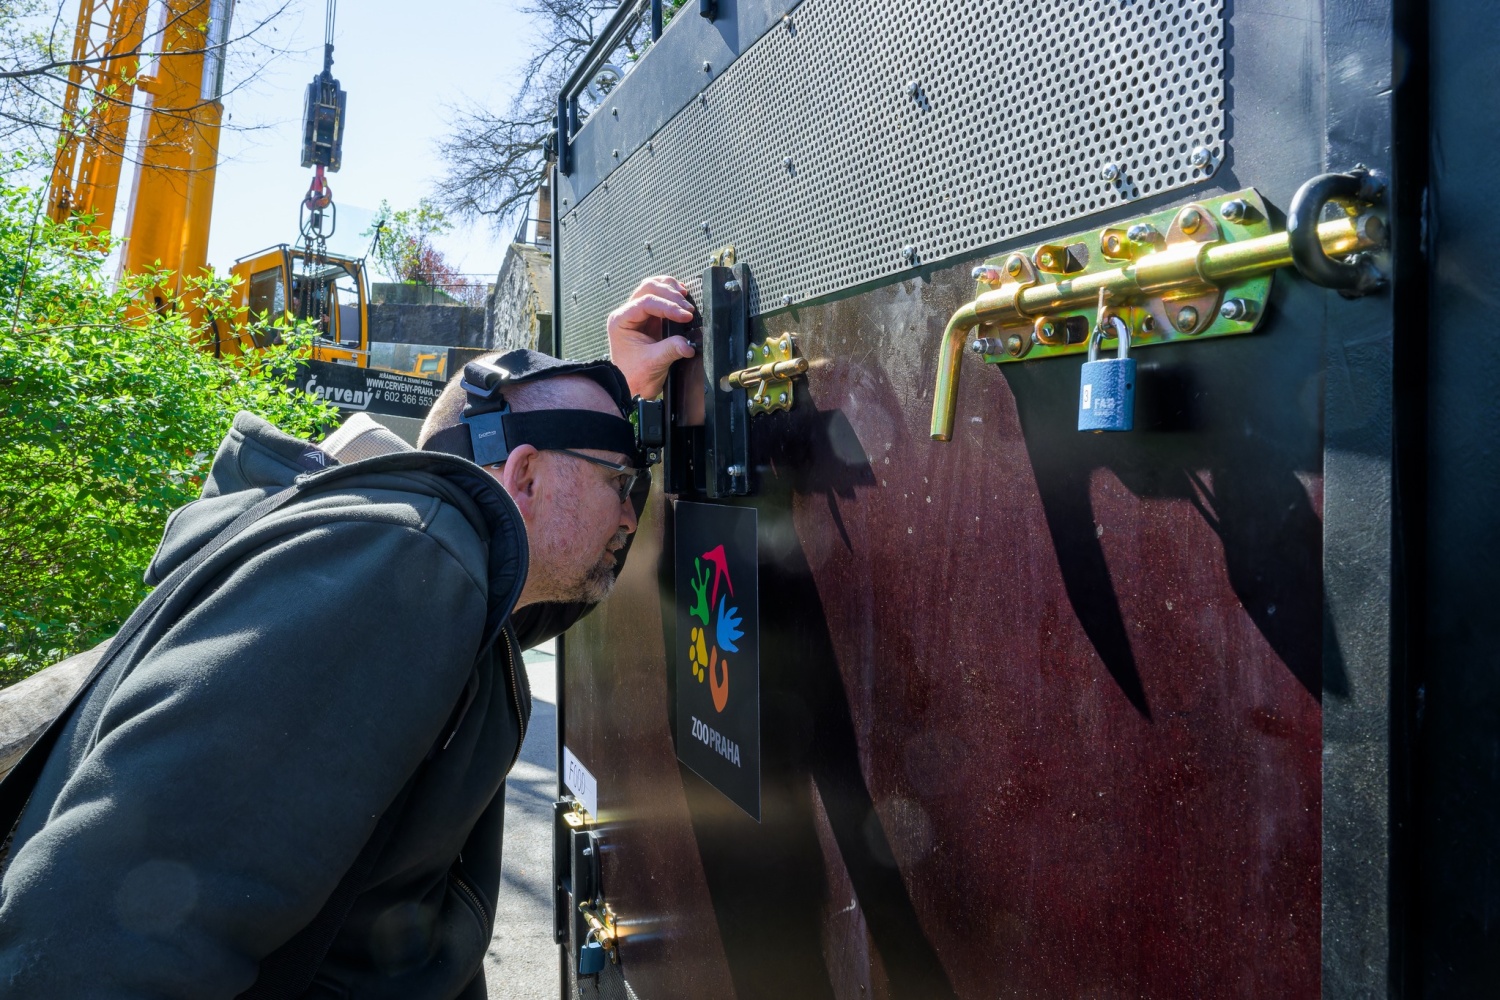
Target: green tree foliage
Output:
[
  {"x": 108, "y": 421},
  {"x": 403, "y": 249}
]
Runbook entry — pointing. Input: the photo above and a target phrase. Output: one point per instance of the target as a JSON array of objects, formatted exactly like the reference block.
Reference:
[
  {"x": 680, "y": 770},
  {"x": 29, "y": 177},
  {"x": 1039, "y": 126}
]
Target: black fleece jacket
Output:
[{"x": 219, "y": 779}]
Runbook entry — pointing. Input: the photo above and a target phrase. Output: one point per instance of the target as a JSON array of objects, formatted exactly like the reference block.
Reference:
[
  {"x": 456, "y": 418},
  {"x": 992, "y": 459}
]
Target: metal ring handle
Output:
[{"x": 1357, "y": 276}]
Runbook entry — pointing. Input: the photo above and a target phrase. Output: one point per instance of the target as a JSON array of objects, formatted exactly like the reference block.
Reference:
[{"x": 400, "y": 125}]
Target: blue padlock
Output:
[
  {"x": 1106, "y": 400},
  {"x": 590, "y": 958}
]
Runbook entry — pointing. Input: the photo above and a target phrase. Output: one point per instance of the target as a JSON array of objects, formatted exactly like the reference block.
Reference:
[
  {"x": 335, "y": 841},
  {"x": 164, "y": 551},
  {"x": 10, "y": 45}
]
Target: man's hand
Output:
[{"x": 635, "y": 342}]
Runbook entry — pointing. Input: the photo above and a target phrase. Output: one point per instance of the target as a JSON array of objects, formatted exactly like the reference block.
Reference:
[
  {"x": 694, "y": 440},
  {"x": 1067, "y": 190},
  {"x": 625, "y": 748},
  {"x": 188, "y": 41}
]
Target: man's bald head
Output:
[{"x": 563, "y": 392}]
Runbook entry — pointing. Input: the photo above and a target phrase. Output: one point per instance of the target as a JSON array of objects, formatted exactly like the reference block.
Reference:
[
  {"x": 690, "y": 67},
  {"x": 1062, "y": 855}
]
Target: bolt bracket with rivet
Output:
[{"x": 768, "y": 382}]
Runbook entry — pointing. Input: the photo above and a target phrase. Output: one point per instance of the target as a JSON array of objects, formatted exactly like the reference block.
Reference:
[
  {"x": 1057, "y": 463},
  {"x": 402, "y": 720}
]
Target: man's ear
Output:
[{"x": 519, "y": 477}]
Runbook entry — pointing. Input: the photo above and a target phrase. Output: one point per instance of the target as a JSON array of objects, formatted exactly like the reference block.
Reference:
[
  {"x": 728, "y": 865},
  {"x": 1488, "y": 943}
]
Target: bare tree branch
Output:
[{"x": 34, "y": 74}]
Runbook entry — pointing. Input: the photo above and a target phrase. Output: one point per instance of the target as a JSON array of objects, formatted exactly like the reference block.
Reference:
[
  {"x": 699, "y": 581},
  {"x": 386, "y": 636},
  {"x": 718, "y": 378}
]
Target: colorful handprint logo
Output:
[{"x": 709, "y": 651}]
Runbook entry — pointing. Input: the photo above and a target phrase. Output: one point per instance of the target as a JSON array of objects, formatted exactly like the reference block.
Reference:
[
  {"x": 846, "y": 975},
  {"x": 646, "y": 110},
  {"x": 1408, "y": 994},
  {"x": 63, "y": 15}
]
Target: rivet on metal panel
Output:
[
  {"x": 1186, "y": 318},
  {"x": 1234, "y": 210},
  {"x": 1237, "y": 309}
]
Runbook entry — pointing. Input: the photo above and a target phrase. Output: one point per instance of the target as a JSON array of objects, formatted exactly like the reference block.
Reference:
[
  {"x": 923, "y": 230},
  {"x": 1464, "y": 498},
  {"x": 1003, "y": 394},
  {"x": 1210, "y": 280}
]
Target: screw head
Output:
[
  {"x": 750, "y": 354},
  {"x": 1111, "y": 172},
  {"x": 1140, "y": 233},
  {"x": 1191, "y": 221},
  {"x": 781, "y": 398},
  {"x": 1201, "y": 157},
  {"x": 615, "y": 153},
  {"x": 648, "y": 246},
  {"x": 615, "y": 112},
  {"x": 1046, "y": 260},
  {"x": 736, "y": 471},
  {"x": 1112, "y": 244},
  {"x": 705, "y": 227},
  {"x": 1049, "y": 332},
  {"x": 1148, "y": 323},
  {"x": 606, "y": 276},
  {"x": 1187, "y": 318},
  {"x": 1013, "y": 345},
  {"x": 750, "y": 402},
  {"x": 1234, "y": 210},
  {"x": 787, "y": 162},
  {"x": 1013, "y": 267},
  {"x": 707, "y": 68},
  {"x": 914, "y": 88},
  {"x": 786, "y": 300},
  {"x": 908, "y": 253},
  {"x": 703, "y": 99}
]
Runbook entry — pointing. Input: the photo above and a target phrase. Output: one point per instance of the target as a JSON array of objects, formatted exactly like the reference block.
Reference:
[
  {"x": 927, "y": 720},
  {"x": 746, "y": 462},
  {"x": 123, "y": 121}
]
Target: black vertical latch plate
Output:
[{"x": 726, "y": 319}]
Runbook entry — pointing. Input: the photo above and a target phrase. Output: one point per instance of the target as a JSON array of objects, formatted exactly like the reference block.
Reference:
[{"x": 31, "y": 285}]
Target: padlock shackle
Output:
[{"x": 1096, "y": 339}]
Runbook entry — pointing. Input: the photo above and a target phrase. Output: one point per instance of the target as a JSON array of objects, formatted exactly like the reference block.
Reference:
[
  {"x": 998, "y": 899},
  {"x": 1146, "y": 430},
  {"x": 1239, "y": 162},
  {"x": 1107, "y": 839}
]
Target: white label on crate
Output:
[{"x": 578, "y": 780}]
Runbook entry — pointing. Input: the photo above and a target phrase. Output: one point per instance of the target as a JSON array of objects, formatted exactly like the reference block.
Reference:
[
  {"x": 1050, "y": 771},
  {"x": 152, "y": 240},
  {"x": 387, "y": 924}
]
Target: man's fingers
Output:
[
  {"x": 648, "y": 306},
  {"x": 663, "y": 286},
  {"x": 660, "y": 281}
]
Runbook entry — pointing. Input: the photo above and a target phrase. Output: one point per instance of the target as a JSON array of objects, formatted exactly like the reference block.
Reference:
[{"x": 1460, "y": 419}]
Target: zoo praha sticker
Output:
[{"x": 718, "y": 650}]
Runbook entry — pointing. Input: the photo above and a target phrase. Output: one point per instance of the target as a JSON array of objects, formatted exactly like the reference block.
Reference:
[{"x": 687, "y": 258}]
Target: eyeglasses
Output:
[{"x": 628, "y": 474}]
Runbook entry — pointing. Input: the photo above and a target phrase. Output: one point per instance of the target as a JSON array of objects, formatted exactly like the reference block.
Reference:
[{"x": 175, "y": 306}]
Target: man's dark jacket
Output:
[{"x": 220, "y": 778}]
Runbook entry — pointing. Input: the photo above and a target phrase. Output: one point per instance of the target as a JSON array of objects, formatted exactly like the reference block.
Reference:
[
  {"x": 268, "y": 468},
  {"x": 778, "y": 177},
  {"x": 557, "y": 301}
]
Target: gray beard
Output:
[{"x": 600, "y": 580}]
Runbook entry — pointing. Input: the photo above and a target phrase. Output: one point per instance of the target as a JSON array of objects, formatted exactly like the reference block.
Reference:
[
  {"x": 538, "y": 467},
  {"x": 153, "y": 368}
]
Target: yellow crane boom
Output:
[{"x": 167, "y": 220}]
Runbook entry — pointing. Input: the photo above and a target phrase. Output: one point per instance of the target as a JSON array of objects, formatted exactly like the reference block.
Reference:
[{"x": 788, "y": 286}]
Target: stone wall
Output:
[{"x": 520, "y": 313}]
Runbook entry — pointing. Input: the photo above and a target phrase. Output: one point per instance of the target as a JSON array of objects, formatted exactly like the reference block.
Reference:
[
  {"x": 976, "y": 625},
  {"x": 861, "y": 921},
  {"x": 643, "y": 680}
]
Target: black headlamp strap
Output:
[
  {"x": 489, "y": 438},
  {"x": 546, "y": 429}
]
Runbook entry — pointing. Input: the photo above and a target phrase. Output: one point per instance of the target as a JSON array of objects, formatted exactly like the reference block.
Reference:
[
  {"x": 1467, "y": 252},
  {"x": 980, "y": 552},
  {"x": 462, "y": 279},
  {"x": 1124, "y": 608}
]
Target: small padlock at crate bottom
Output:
[
  {"x": 590, "y": 958},
  {"x": 1106, "y": 397}
]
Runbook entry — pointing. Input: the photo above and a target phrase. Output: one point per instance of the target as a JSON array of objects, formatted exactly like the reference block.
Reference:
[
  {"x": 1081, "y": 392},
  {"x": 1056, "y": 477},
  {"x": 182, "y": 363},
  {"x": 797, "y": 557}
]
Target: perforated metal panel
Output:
[{"x": 863, "y": 138}]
